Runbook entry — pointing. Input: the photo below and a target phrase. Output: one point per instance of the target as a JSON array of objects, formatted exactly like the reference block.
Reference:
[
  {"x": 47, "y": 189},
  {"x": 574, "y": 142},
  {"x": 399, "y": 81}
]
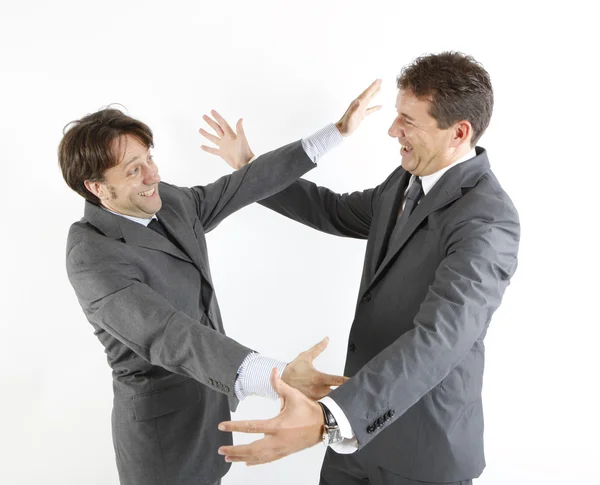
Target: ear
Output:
[
  {"x": 97, "y": 188},
  {"x": 462, "y": 132}
]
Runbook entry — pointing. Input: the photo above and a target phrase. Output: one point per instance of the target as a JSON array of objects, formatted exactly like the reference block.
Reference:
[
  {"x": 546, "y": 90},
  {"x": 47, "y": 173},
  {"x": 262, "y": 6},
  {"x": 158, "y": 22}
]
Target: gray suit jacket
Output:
[
  {"x": 153, "y": 307},
  {"x": 426, "y": 298}
]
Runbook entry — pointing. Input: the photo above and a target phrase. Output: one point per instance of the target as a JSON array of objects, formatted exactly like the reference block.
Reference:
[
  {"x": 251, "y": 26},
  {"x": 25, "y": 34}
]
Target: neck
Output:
[{"x": 460, "y": 152}]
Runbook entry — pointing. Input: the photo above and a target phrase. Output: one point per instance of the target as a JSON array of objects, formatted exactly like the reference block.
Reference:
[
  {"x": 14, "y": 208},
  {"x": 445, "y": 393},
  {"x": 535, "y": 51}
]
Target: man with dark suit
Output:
[
  {"x": 442, "y": 246},
  {"x": 138, "y": 263}
]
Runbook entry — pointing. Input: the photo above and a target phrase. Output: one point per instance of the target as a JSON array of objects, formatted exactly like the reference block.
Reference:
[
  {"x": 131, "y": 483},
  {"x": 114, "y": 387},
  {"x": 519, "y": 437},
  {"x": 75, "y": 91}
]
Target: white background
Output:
[{"x": 288, "y": 69}]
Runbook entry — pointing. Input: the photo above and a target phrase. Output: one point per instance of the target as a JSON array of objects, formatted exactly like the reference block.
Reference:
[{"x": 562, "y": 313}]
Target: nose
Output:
[
  {"x": 395, "y": 131},
  {"x": 152, "y": 176}
]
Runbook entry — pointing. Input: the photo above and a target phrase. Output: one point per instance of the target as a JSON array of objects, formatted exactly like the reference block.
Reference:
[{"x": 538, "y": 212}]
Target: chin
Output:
[
  {"x": 407, "y": 165},
  {"x": 156, "y": 207}
]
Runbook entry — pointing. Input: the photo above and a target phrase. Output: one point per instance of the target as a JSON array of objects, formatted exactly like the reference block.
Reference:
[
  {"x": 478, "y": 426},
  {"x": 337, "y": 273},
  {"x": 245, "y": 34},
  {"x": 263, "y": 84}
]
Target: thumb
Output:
[
  {"x": 279, "y": 385},
  {"x": 317, "y": 349}
]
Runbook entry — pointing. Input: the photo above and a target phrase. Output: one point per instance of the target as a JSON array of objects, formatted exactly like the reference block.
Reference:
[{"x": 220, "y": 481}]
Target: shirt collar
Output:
[
  {"x": 139, "y": 220},
  {"x": 428, "y": 181}
]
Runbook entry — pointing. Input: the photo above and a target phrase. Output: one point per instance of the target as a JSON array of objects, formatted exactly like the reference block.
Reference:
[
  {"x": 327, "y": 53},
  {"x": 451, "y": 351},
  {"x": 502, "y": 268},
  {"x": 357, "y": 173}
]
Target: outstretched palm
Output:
[{"x": 232, "y": 146}]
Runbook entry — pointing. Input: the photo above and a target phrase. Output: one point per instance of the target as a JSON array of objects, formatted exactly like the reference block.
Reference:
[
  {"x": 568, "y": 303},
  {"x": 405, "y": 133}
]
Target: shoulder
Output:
[
  {"x": 87, "y": 245},
  {"x": 486, "y": 201}
]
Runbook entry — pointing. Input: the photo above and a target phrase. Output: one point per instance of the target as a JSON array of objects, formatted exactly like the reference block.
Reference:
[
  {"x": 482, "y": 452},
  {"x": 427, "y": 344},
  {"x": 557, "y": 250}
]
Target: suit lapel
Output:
[
  {"x": 387, "y": 219},
  {"x": 118, "y": 227},
  {"x": 184, "y": 235},
  {"x": 444, "y": 192}
]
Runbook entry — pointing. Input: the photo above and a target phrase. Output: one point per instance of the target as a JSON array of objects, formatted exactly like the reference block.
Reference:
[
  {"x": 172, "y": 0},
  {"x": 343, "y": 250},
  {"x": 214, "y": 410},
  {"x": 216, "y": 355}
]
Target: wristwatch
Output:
[{"x": 331, "y": 433}]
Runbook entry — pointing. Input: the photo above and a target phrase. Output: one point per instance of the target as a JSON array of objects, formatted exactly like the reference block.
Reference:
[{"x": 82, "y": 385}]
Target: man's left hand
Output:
[
  {"x": 299, "y": 425},
  {"x": 302, "y": 375}
]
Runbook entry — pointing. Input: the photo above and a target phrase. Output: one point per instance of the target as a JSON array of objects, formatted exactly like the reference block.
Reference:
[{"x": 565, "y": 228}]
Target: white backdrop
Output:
[{"x": 288, "y": 69}]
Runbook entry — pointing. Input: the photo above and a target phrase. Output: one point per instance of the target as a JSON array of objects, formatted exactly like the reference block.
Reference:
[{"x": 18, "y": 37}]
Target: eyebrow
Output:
[
  {"x": 406, "y": 116},
  {"x": 131, "y": 161},
  {"x": 137, "y": 157}
]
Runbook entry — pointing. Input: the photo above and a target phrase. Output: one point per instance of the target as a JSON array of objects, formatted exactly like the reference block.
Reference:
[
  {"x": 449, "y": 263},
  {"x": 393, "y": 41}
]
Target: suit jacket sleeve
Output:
[
  {"x": 348, "y": 215},
  {"x": 480, "y": 258},
  {"x": 113, "y": 297},
  {"x": 265, "y": 176}
]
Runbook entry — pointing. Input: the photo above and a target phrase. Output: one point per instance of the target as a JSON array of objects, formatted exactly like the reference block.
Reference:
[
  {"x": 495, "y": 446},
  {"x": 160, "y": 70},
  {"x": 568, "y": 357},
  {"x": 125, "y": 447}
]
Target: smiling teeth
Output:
[{"x": 147, "y": 193}]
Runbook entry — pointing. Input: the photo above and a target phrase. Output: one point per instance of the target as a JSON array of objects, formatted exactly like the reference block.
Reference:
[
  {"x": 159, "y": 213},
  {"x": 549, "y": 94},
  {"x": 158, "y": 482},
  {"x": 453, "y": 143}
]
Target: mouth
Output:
[
  {"x": 406, "y": 149},
  {"x": 148, "y": 193}
]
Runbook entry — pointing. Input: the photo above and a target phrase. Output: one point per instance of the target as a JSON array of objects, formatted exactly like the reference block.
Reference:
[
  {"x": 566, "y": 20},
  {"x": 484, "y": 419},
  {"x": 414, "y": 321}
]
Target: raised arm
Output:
[{"x": 344, "y": 215}]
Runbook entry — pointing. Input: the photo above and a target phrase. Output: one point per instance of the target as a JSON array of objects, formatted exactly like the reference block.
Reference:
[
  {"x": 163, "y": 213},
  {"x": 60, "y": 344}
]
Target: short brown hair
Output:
[
  {"x": 86, "y": 150},
  {"x": 458, "y": 87}
]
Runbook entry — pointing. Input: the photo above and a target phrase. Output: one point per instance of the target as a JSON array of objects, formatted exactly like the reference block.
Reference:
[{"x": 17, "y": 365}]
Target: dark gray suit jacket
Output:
[
  {"x": 153, "y": 308},
  {"x": 426, "y": 298}
]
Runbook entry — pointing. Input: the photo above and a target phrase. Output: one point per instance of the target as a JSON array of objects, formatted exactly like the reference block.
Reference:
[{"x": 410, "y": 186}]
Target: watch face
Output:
[{"x": 332, "y": 435}]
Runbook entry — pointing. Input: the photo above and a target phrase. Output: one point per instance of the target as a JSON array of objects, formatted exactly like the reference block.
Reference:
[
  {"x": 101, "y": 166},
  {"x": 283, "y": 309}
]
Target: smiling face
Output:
[
  {"x": 426, "y": 148},
  {"x": 131, "y": 186}
]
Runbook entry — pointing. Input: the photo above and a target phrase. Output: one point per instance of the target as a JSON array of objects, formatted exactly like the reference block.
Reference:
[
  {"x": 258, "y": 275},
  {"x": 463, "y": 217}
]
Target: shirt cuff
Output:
[
  {"x": 321, "y": 142},
  {"x": 254, "y": 376},
  {"x": 349, "y": 444}
]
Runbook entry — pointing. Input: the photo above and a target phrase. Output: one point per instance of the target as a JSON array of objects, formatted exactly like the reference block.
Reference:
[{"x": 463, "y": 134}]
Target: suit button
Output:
[
  {"x": 370, "y": 429},
  {"x": 391, "y": 412},
  {"x": 351, "y": 347},
  {"x": 367, "y": 296}
]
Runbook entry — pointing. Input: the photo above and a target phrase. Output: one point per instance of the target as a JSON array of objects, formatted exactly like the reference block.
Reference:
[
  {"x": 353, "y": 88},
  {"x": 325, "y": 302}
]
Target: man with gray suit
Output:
[
  {"x": 443, "y": 238},
  {"x": 138, "y": 263}
]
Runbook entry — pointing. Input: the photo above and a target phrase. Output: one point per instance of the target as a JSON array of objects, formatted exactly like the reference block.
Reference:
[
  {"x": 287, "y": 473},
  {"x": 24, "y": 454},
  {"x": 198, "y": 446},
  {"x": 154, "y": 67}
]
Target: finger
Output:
[
  {"x": 214, "y": 125},
  {"x": 367, "y": 93},
  {"x": 212, "y": 150},
  {"x": 258, "y": 461},
  {"x": 331, "y": 380},
  {"x": 248, "y": 426},
  {"x": 241, "y": 450},
  {"x": 216, "y": 140},
  {"x": 374, "y": 93},
  {"x": 239, "y": 128},
  {"x": 373, "y": 109},
  {"x": 234, "y": 459},
  {"x": 226, "y": 128},
  {"x": 317, "y": 349}
]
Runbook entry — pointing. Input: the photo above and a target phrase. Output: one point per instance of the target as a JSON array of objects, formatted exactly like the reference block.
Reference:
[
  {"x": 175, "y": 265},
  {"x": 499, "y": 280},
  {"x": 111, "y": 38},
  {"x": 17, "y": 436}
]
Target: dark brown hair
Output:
[
  {"x": 86, "y": 150},
  {"x": 458, "y": 87}
]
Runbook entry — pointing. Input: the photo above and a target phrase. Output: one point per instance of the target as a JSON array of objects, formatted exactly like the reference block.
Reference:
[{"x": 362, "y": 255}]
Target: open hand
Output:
[
  {"x": 299, "y": 425},
  {"x": 302, "y": 375},
  {"x": 232, "y": 146},
  {"x": 359, "y": 109}
]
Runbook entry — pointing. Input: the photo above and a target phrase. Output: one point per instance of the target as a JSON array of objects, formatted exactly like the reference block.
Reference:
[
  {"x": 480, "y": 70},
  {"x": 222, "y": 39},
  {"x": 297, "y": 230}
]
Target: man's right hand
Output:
[
  {"x": 234, "y": 148},
  {"x": 302, "y": 375},
  {"x": 359, "y": 110}
]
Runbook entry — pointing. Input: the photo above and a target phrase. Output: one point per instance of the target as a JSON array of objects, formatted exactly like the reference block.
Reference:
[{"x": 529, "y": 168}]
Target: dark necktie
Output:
[
  {"x": 156, "y": 226},
  {"x": 411, "y": 199}
]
